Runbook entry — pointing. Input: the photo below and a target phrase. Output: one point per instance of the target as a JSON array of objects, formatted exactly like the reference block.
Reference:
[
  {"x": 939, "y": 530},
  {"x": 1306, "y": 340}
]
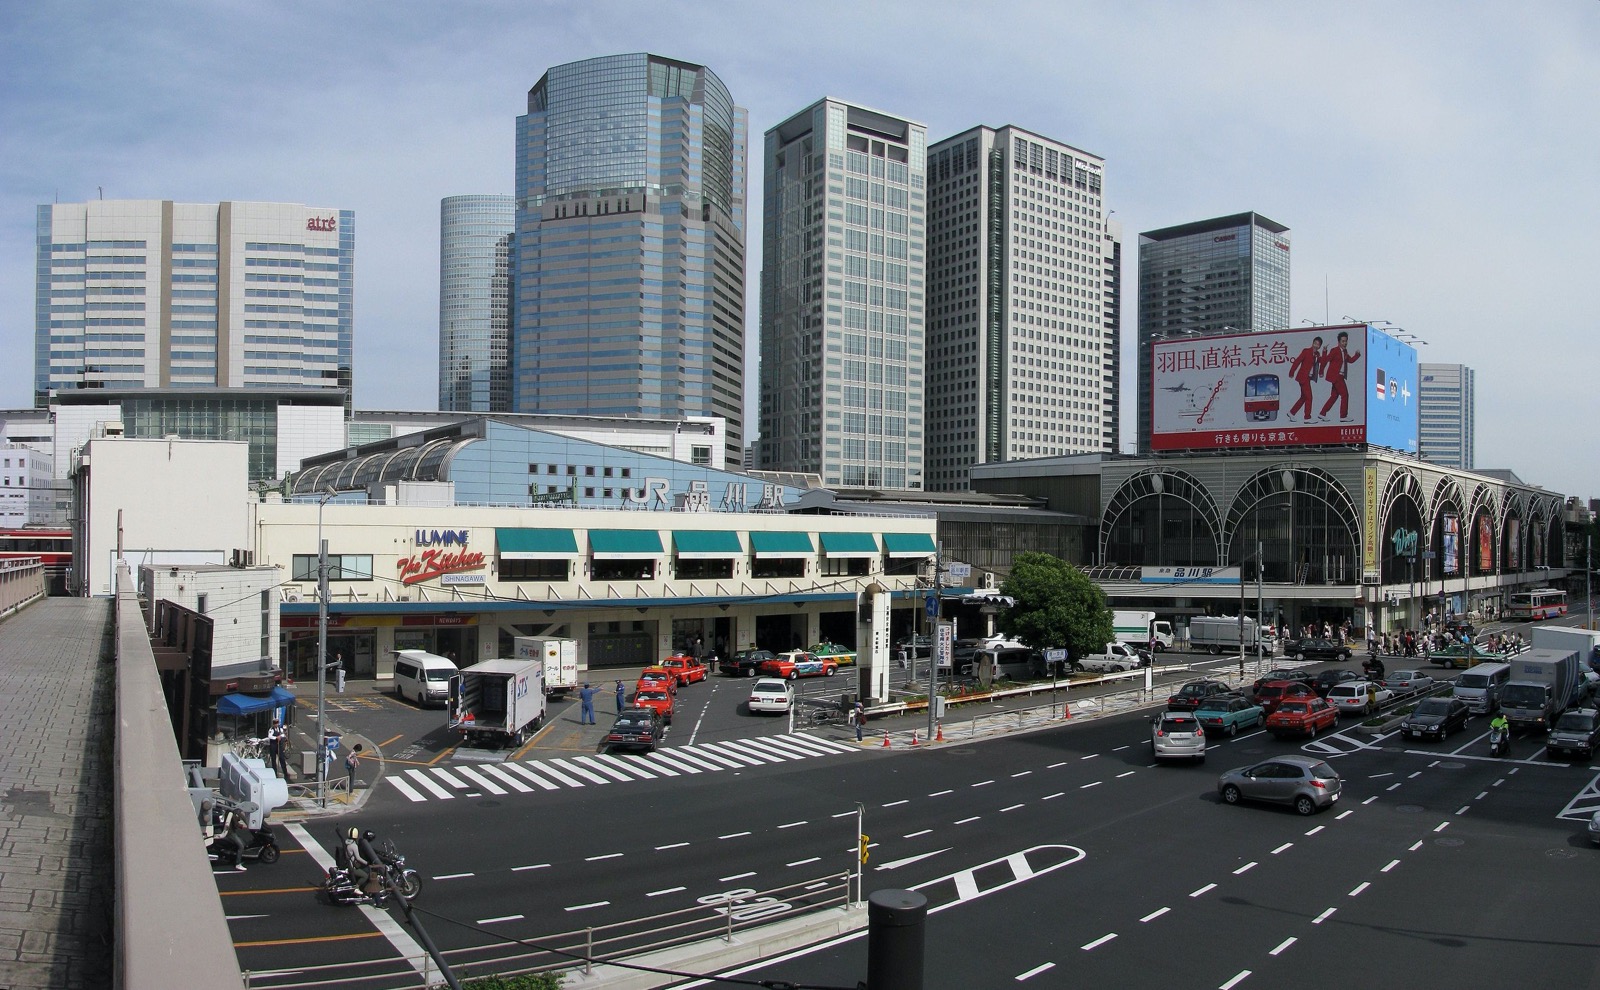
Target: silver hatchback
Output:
[
  {"x": 1177, "y": 736},
  {"x": 1306, "y": 783}
]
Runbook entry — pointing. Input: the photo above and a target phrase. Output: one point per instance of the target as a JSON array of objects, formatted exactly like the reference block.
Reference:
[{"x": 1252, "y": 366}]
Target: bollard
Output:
[{"x": 896, "y": 922}]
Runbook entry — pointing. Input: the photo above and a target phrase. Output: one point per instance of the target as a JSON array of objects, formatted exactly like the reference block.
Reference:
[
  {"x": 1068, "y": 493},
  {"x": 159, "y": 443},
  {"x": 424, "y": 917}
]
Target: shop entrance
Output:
[
  {"x": 702, "y": 637},
  {"x": 838, "y": 627},
  {"x": 781, "y": 632},
  {"x": 622, "y": 644}
]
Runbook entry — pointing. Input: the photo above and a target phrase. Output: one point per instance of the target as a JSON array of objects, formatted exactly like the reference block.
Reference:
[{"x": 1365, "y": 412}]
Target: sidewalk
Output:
[{"x": 56, "y": 865}]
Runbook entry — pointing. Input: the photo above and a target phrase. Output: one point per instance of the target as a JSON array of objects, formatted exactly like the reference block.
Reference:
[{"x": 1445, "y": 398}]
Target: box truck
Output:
[
  {"x": 1540, "y": 688},
  {"x": 1215, "y": 634},
  {"x": 1585, "y": 641},
  {"x": 1142, "y": 629},
  {"x": 559, "y": 656},
  {"x": 498, "y": 702}
]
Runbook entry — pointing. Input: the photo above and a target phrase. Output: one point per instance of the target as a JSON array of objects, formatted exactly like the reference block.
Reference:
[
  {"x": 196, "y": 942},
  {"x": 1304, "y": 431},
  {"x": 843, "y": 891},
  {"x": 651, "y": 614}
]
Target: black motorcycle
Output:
[
  {"x": 1372, "y": 666},
  {"x": 390, "y": 873},
  {"x": 262, "y": 847}
]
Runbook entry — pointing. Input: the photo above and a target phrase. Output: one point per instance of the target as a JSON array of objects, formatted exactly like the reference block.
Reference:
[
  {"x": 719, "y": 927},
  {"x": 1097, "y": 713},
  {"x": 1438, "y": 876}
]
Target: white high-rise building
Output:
[
  {"x": 27, "y": 493},
  {"x": 135, "y": 294},
  {"x": 1446, "y": 410},
  {"x": 842, "y": 297},
  {"x": 1023, "y": 314}
]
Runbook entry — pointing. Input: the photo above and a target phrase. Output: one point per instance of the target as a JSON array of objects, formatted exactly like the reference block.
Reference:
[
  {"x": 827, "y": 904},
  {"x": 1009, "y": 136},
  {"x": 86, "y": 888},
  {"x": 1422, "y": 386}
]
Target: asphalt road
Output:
[{"x": 1438, "y": 860}]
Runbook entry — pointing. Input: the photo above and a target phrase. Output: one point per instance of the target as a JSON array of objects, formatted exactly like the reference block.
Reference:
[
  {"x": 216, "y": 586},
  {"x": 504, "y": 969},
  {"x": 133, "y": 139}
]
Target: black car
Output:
[
  {"x": 1316, "y": 648},
  {"x": 1576, "y": 733},
  {"x": 636, "y": 728},
  {"x": 1435, "y": 718},
  {"x": 1329, "y": 679},
  {"x": 745, "y": 663},
  {"x": 1191, "y": 694}
]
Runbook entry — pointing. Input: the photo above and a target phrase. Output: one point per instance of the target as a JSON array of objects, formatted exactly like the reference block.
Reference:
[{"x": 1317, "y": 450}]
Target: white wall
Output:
[
  {"x": 306, "y": 431},
  {"x": 233, "y": 601}
]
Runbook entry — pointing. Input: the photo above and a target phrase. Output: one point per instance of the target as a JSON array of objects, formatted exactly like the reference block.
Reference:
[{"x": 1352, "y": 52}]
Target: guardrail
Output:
[
  {"x": 170, "y": 929},
  {"x": 21, "y": 583}
]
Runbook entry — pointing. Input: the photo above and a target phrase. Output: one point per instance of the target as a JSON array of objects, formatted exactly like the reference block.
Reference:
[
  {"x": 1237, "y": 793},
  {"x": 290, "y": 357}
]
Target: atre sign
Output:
[
  {"x": 438, "y": 554},
  {"x": 322, "y": 223}
]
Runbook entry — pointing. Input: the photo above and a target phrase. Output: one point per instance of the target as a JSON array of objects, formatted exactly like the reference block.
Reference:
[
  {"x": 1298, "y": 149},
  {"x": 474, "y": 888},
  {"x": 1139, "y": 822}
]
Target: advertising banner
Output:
[
  {"x": 1451, "y": 540},
  {"x": 1369, "y": 526},
  {"x": 1282, "y": 388},
  {"x": 1485, "y": 546},
  {"x": 1514, "y": 542}
]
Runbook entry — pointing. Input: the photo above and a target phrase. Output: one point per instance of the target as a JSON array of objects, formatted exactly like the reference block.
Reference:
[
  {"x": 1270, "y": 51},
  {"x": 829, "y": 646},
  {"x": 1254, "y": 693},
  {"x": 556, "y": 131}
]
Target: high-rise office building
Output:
[
  {"x": 156, "y": 294},
  {"x": 1446, "y": 411},
  {"x": 1023, "y": 314},
  {"x": 1224, "y": 275},
  {"x": 842, "y": 297},
  {"x": 475, "y": 302},
  {"x": 628, "y": 270}
]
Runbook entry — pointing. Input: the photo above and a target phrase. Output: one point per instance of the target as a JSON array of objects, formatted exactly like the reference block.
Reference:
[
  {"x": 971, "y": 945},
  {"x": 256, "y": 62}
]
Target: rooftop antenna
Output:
[{"x": 1326, "y": 311}]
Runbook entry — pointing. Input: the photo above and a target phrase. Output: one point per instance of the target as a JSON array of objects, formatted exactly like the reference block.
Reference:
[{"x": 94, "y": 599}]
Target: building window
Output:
[
  {"x": 623, "y": 570},
  {"x": 341, "y": 567},
  {"x": 535, "y": 570},
  {"x": 700, "y": 456},
  {"x": 711, "y": 570},
  {"x": 763, "y": 567}
]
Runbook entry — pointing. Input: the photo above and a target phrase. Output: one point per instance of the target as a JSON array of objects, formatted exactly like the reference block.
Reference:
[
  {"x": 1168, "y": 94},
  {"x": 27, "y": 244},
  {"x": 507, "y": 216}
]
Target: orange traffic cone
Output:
[
  {"x": 940, "y": 727},
  {"x": 1066, "y": 712},
  {"x": 885, "y": 738},
  {"x": 913, "y": 737}
]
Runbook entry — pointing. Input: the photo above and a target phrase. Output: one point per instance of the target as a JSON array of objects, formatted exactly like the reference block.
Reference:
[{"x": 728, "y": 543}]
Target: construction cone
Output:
[
  {"x": 913, "y": 737},
  {"x": 885, "y": 738},
  {"x": 940, "y": 736},
  {"x": 1066, "y": 712}
]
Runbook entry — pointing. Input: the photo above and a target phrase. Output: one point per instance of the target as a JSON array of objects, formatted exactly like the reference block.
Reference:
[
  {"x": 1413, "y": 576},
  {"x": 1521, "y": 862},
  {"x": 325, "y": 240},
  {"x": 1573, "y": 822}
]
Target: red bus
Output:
[{"x": 52, "y": 546}]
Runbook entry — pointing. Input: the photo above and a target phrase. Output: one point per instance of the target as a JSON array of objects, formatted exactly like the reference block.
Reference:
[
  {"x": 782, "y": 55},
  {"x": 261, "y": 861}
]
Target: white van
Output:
[
  {"x": 1480, "y": 686},
  {"x": 422, "y": 676}
]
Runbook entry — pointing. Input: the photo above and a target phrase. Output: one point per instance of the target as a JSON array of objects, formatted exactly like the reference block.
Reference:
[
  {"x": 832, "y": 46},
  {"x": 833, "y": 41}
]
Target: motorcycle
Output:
[
  {"x": 1372, "y": 666},
  {"x": 262, "y": 847},
  {"x": 1499, "y": 741},
  {"x": 390, "y": 873}
]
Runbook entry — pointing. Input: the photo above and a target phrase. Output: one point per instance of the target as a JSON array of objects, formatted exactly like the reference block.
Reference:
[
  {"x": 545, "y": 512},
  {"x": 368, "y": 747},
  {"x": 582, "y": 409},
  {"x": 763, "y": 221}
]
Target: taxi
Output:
[
  {"x": 687, "y": 668},
  {"x": 799, "y": 663},
  {"x": 658, "y": 679},
  {"x": 841, "y": 655}
]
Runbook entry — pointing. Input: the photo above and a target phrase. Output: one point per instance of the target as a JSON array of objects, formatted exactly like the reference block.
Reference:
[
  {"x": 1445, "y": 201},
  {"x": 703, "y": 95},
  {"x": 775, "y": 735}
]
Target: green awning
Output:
[
  {"x": 781, "y": 546},
  {"x": 909, "y": 545},
  {"x": 623, "y": 544},
  {"x": 696, "y": 544},
  {"x": 535, "y": 544},
  {"x": 849, "y": 545}
]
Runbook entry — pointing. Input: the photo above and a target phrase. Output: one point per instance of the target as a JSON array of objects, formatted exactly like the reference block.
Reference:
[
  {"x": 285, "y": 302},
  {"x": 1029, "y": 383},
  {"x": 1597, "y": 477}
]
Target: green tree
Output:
[{"x": 1056, "y": 606}]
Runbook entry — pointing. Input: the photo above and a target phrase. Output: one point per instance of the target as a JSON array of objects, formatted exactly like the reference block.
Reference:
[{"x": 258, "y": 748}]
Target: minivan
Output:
[
  {"x": 1480, "y": 686},
  {"x": 422, "y": 676}
]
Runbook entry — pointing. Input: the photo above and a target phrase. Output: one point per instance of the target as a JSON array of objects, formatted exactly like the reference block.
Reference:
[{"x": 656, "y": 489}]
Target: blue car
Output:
[{"x": 1228, "y": 713}]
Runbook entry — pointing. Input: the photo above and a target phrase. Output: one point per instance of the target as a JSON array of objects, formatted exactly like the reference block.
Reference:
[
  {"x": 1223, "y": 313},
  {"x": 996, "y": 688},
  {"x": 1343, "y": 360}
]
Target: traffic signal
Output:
[{"x": 864, "y": 840}]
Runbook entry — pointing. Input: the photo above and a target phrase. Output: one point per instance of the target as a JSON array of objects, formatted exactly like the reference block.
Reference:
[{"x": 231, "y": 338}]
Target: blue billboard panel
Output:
[{"x": 1391, "y": 392}]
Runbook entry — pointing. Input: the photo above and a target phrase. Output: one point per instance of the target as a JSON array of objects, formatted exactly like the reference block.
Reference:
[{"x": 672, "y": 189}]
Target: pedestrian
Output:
[
  {"x": 352, "y": 765},
  {"x": 586, "y": 705},
  {"x": 622, "y": 697},
  {"x": 858, "y": 715},
  {"x": 277, "y": 749}
]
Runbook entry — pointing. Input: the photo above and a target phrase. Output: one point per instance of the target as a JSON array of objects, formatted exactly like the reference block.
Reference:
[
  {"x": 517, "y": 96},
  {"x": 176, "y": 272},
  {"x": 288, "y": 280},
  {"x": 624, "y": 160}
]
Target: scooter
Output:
[
  {"x": 263, "y": 847},
  {"x": 1372, "y": 666},
  {"x": 1499, "y": 741}
]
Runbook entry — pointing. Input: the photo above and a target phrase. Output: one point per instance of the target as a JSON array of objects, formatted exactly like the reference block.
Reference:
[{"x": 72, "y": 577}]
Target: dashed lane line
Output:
[
  {"x": 1035, "y": 971},
  {"x": 1153, "y": 915},
  {"x": 1324, "y": 916},
  {"x": 1102, "y": 940}
]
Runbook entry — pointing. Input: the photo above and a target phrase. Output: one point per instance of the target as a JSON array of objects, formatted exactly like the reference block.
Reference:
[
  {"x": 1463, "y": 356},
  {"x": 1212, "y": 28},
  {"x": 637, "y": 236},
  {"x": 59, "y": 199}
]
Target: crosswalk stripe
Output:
[
  {"x": 405, "y": 788},
  {"x": 828, "y": 746},
  {"x": 574, "y": 768},
  {"x": 626, "y": 766},
  {"x": 733, "y": 752},
  {"x": 522, "y": 770},
  {"x": 690, "y": 756},
  {"x": 783, "y": 745},
  {"x": 656, "y": 766},
  {"x": 505, "y": 778},
  {"x": 545, "y": 767},
  {"x": 672, "y": 759},
  {"x": 590, "y": 761},
  {"x": 480, "y": 780},
  {"x": 427, "y": 782},
  {"x": 760, "y": 746},
  {"x": 445, "y": 776},
  {"x": 721, "y": 762}
]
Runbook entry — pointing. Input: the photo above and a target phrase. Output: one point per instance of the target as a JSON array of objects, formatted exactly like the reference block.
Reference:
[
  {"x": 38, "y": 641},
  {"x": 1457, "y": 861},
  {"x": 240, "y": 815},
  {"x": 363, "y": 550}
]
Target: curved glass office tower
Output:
[
  {"x": 629, "y": 250},
  {"x": 474, "y": 302}
]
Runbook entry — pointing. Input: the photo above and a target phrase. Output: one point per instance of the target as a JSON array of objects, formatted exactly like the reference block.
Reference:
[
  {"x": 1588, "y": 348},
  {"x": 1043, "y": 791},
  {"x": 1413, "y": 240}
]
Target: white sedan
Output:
[
  {"x": 770, "y": 694},
  {"x": 1409, "y": 682}
]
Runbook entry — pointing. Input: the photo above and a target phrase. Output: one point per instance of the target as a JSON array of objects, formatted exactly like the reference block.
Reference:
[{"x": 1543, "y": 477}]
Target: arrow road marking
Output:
[{"x": 913, "y": 859}]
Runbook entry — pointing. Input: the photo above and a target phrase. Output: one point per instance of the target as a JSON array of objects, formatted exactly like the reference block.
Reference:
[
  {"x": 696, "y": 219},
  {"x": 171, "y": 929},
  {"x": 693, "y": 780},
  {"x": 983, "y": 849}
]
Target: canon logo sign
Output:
[{"x": 322, "y": 223}]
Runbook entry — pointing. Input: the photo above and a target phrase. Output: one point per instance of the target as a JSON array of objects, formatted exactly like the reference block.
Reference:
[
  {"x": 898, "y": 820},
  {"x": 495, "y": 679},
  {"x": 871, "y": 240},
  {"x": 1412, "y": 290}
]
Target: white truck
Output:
[
  {"x": 1540, "y": 688},
  {"x": 1116, "y": 658},
  {"x": 559, "y": 656},
  {"x": 1142, "y": 629},
  {"x": 1585, "y": 641},
  {"x": 498, "y": 702},
  {"x": 1216, "y": 634}
]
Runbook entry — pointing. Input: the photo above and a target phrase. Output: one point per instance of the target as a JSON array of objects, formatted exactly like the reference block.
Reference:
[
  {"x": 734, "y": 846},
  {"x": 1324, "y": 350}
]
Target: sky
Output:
[{"x": 1437, "y": 163}]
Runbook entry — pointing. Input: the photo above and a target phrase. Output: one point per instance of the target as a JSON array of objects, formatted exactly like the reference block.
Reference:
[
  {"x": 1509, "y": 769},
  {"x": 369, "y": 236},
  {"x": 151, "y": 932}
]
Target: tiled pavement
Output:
[{"x": 56, "y": 719}]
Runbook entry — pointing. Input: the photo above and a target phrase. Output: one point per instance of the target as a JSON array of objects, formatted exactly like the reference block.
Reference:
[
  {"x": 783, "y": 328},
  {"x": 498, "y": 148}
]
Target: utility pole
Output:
[
  {"x": 933, "y": 635},
  {"x": 1259, "y": 617}
]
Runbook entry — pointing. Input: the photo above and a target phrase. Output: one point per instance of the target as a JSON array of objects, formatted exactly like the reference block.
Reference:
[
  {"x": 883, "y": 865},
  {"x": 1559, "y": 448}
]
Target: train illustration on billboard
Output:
[{"x": 1342, "y": 385}]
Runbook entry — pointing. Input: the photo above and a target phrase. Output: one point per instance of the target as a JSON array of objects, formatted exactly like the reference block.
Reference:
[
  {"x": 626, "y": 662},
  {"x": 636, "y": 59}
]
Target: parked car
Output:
[
  {"x": 1191, "y": 694},
  {"x": 844, "y": 656},
  {"x": 769, "y": 694},
  {"x": 1228, "y": 713},
  {"x": 745, "y": 663},
  {"x": 1409, "y": 682},
  {"x": 658, "y": 678},
  {"x": 1576, "y": 733},
  {"x": 1328, "y": 679},
  {"x": 637, "y": 728},
  {"x": 658, "y": 699},
  {"x": 1282, "y": 674},
  {"x": 1594, "y": 829},
  {"x": 1303, "y": 782},
  {"x": 1359, "y": 697},
  {"x": 1177, "y": 736},
  {"x": 1274, "y": 693},
  {"x": 1302, "y": 716},
  {"x": 799, "y": 663},
  {"x": 686, "y": 667},
  {"x": 1316, "y": 648},
  {"x": 1435, "y": 718}
]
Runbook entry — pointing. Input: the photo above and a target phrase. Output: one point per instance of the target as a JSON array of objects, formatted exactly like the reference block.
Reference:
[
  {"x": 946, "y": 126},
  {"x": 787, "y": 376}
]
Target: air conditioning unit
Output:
[{"x": 988, "y": 580}]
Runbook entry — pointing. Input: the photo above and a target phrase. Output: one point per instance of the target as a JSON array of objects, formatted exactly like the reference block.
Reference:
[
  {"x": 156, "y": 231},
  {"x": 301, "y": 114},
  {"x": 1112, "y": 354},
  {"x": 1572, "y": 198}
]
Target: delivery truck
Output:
[
  {"x": 1585, "y": 641},
  {"x": 1216, "y": 634},
  {"x": 1114, "y": 659},
  {"x": 1541, "y": 686},
  {"x": 559, "y": 657},
  {"x": 1142, "y": 629},
  {"x": 498, "y": 702}
]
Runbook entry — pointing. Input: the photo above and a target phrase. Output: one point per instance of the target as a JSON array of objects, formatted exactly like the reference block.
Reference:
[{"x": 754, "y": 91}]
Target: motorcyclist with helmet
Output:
[{"x": 360, "y": 856}]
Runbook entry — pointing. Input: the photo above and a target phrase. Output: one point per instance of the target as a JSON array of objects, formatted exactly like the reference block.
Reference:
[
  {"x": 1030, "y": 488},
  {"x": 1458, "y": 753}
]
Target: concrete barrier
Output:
[{"x": 170, "y": 928}]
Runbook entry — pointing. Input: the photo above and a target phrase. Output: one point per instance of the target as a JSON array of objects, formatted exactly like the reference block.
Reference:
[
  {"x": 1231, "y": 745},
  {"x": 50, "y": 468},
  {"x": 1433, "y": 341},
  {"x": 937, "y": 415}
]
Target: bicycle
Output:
[
  {"x": 250, "y": 748},
  {"x": 828, "y": 713}
]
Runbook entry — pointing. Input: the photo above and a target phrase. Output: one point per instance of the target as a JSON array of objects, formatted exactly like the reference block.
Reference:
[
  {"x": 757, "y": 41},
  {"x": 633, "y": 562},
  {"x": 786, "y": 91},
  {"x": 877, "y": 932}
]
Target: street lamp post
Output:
[{"x": 322, "y": 653}]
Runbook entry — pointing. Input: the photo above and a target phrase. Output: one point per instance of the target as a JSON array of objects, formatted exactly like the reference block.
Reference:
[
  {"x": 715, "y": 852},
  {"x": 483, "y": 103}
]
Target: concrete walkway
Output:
[{"x": 56, "y": 868}]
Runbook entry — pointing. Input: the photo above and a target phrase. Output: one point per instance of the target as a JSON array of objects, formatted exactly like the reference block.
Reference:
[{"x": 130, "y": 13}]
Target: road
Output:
[{"x": 1438, "y": 860}]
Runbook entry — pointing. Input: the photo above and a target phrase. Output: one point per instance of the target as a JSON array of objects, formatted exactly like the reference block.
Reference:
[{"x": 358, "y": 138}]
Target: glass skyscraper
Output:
[
  {"x": 1447, "y": 411},
  {"x": 1023, "y": 323},
  {"x": 1223, "y": 275},
  {"x": 475, "y": 302},
  {"x": 156, "y": 294},
  {"x": 842, "y": 275},
  {"x": 628, "y": 258}
]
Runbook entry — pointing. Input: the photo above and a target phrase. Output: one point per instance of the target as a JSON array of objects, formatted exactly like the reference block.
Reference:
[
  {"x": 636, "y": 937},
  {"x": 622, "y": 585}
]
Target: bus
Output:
[
  {"x": 52, "y": 546},
  {"x": 1540, "y": 603}
]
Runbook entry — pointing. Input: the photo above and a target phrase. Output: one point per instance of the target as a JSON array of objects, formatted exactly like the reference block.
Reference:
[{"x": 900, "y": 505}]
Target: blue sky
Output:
[{"x": 1437, "y": 163}]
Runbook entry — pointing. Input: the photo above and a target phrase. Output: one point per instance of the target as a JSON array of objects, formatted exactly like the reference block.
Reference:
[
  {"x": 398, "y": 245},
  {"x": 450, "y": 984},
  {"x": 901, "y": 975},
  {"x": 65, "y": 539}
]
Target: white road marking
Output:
[
  {"x": 1283, "y": 945},
  {"x": 736, "y": 876},
  {"x": 1392, "y": 864},
  {"x": 1391, "y": 787},
  {"x": 1240, "y": 978},
  {"x": 1202, "y": 890},
  {"x": 1120, "y": 749},
  {"x": 405, "y": 788},
  {"x": 585, "y": 907},
  {"x": 244, "y": 917},
  {"x": 427, "y": 782},
  {"x": 480, "y": 780},
  {"x": 913, "y": 859},
  {"x": 1498, "y": 782},
  {"x": 1022, "y": 774},
  {"x": 398, "y": 937},
  {"x": 893, "y": 804},
  {"x": 1130, "y": 773},
  {"x": 966, "y": 820},
  {"x": 802, "y": 862},
  {"x": 1319, "y": 919},
  {"x": 671, "y": 845},
  {"x": 536, "y": 866},
  {"x": 454, "y": 876},
  {"x": 794, "y": 824},
  {"x": 1375, "y": 776},
  {"x": 505, "y": 778},
  {"x": 941, "y": 793},
  {"x": 1481, "y": 795},
  {"x": 913, "y": 835},
  {"x": 1057, "y": 794},
  {"x": 983, "y": 783},
  {"x": 1089, "y": 757},
  {"x": 1054, "y": 765},
  {"x": 1414, "y": 775},
  {"x": 842, "y": 814},
  {"x": 1513, "y": 770},
  {"x": 596, "y": 859},
  {"x": 662, "y": 893},
  {"x": 1363, "y": 885},
  {"x": 1442, "y": 826},
  {"x": 1035, "y": 971},
  {"x": 1093, "y": 783},
  {"x": 519, "y": 768},
  {"x": 1341, "y": 816},
  {"x": 1416, "y": 845},
  {"x": 1246, "y": 868},
  {"x": 734, "y": 835},
  {"x": 509, "y": 917},
  {"x": 1463, "y": 809},
  {"x": 1153, "y": 915},
  {"x": 1314, "y": 831},
  {"x": 1102, "y": 940},
  {"x": 1370, "y": 799},
  {"x": 1286, "y": 845},
  {"x": 1013, "y": 807}
]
